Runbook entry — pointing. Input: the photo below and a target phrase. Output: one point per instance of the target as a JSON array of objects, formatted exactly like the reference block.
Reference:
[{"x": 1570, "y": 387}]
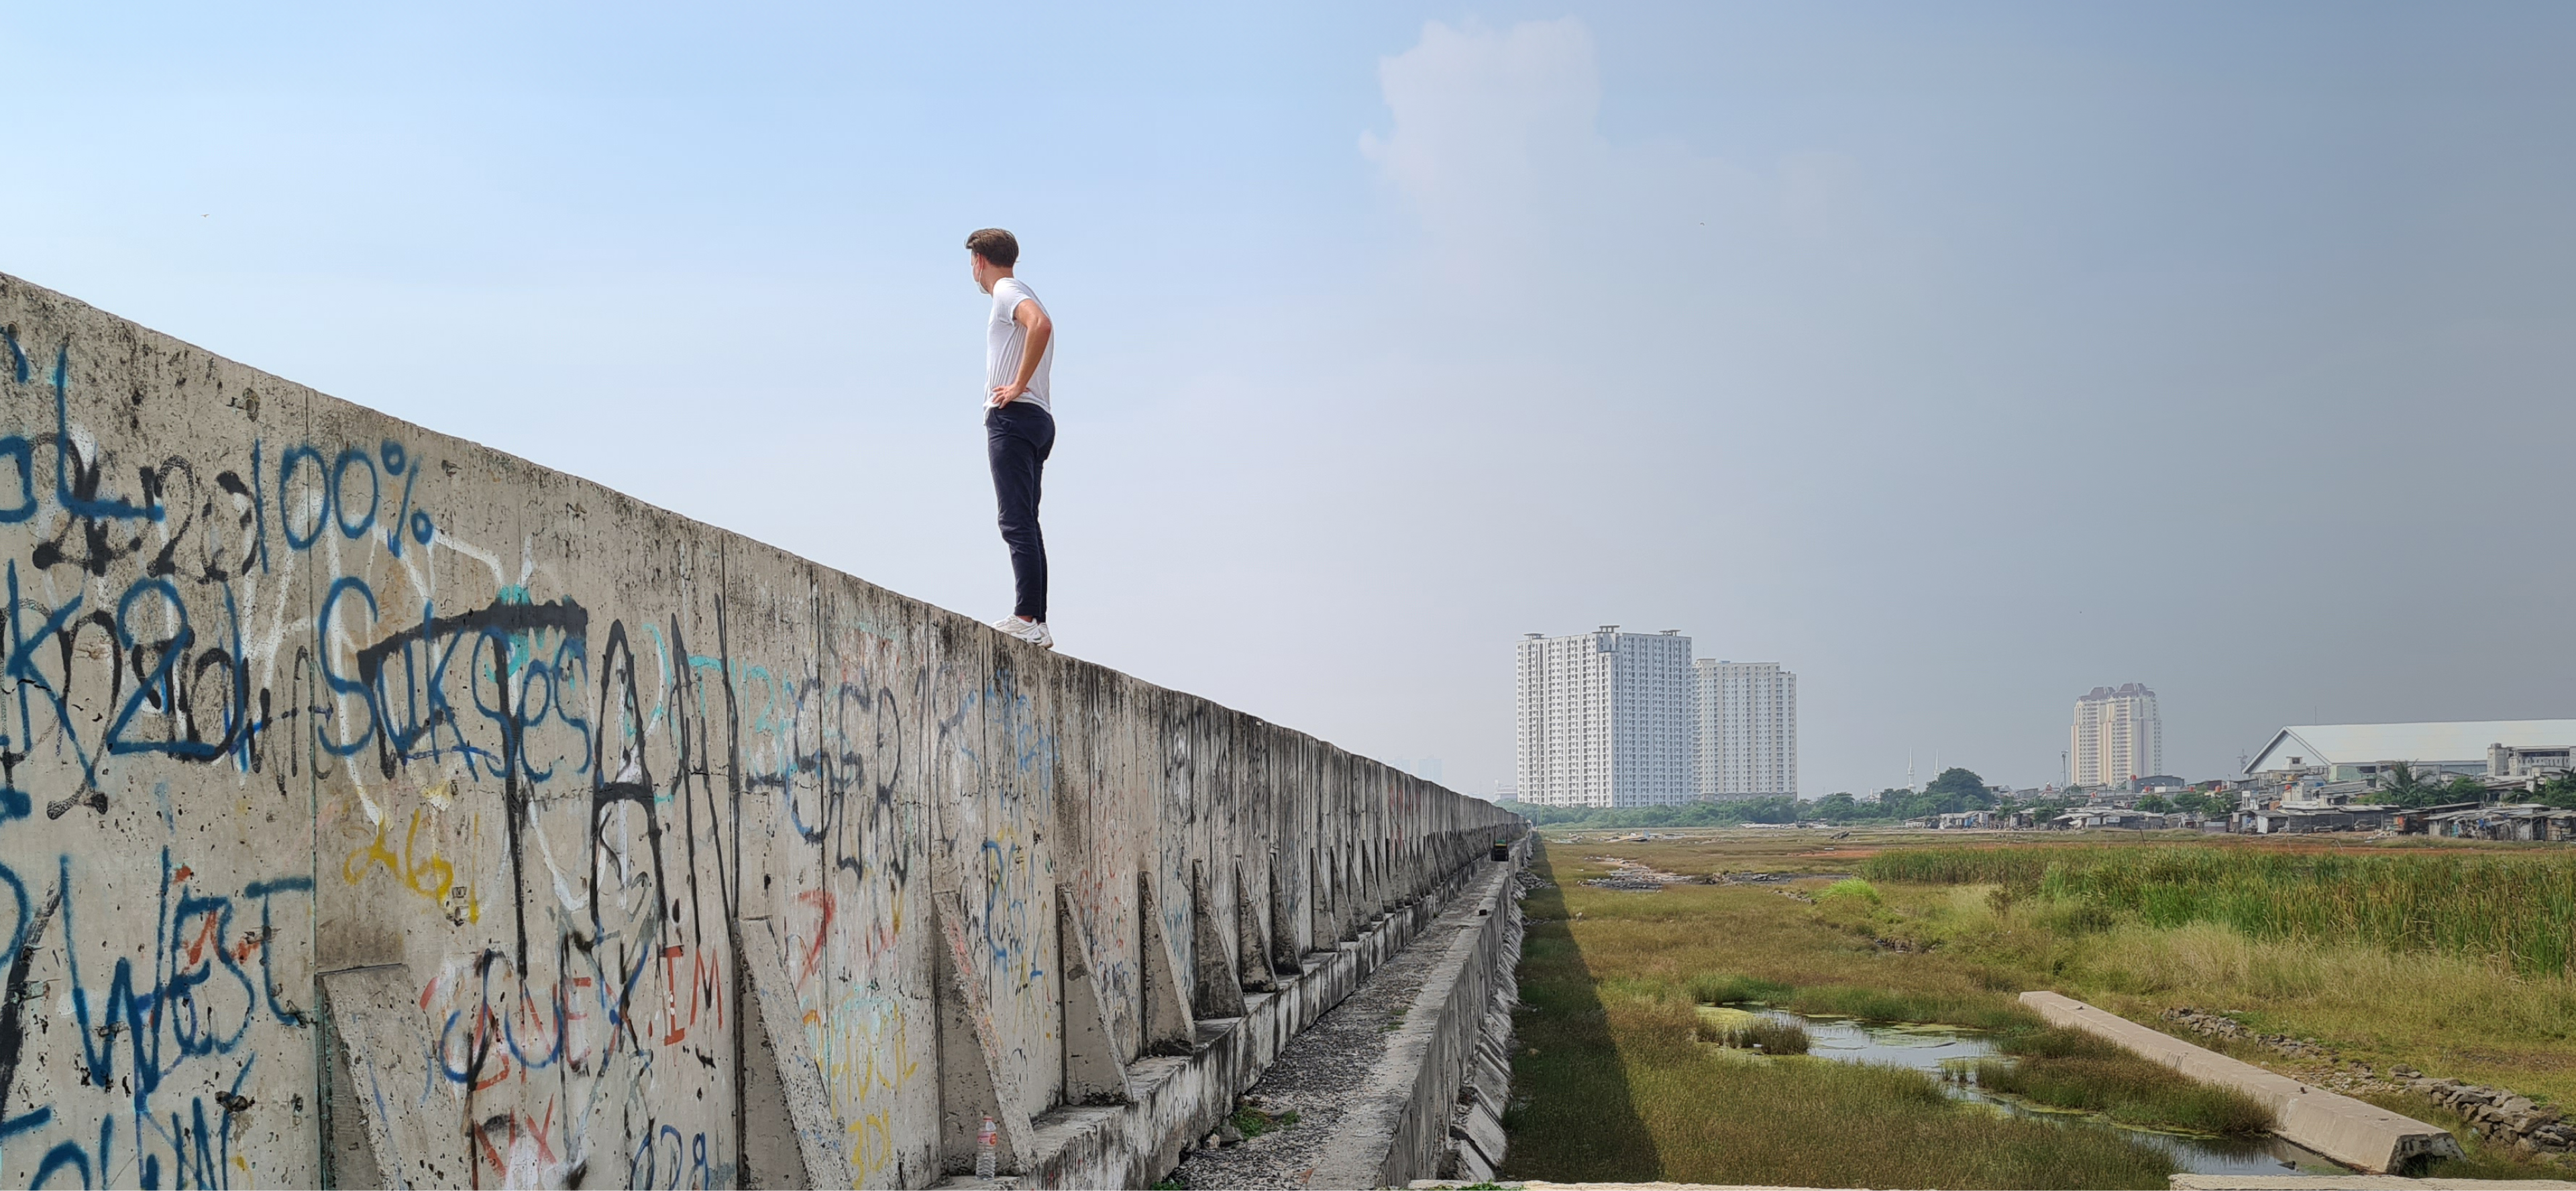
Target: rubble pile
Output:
[
  {"x": 2499, "y": 1115},
  {"x": 1638, "y": 878},
  {"x": 2221, "y": 1026},
  {"x": 2496, "y": 1115}
]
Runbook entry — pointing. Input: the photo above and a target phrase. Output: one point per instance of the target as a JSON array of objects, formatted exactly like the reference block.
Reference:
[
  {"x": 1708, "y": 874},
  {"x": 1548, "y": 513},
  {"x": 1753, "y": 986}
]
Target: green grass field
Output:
[
  {"x": 2514, "y": 909},
  {"x": 1613, "y": 1085}
]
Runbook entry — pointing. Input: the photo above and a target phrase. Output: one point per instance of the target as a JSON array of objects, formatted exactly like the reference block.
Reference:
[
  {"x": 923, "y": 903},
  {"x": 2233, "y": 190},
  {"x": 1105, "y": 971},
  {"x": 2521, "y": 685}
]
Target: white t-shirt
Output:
[{"x": 1005, "y": 338}]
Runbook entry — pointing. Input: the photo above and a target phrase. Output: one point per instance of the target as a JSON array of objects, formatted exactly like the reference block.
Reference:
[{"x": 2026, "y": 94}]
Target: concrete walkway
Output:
[
  {"x": 1426, "y": 1184},
  {"x": 2180, "y": 1182},
  {"x": 2354, "y": 1182},
  {"x": 2353, "y": 1132},
  {"x": 1346, "y": 1077}
]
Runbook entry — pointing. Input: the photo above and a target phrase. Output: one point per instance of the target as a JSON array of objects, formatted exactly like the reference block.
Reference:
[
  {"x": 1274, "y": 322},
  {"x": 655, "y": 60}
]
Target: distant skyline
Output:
[{"x": 1961, "y": 358}]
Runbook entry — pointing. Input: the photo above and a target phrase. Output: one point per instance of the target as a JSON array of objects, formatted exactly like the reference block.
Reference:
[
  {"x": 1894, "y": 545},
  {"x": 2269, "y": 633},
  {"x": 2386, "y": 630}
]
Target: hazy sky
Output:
[{"x": 1959, "y": 357}]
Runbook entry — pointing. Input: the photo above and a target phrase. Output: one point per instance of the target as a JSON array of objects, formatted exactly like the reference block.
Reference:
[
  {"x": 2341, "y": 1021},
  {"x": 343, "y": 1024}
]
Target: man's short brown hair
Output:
[{"x": 996, "y": 246}]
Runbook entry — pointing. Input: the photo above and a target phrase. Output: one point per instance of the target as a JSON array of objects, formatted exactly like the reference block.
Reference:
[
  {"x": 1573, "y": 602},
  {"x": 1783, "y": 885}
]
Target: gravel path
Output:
[{"x": 1322, "y": 1068}]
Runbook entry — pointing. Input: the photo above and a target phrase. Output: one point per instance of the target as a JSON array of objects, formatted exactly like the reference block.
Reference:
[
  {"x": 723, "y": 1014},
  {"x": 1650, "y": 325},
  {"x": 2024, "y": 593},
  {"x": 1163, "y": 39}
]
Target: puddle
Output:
[{"x": 1947, "y": 1054}]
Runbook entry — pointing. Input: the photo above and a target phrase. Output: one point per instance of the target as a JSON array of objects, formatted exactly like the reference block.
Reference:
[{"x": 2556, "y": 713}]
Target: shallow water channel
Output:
[{"x": 1948, "y": 1053}]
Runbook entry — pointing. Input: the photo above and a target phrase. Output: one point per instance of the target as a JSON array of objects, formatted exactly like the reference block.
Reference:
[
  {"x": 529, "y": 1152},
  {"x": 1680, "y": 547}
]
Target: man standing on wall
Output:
[{"x": 1019, "y": 421}]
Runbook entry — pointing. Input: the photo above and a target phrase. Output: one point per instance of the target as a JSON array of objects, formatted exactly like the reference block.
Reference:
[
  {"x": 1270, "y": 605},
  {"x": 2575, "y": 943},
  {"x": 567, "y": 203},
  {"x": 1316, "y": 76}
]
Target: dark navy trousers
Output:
[{"x": 1018, "y": 437}]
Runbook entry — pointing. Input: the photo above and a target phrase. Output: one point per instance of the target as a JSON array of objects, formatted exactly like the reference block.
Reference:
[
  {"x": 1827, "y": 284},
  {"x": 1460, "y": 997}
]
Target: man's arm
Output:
[{"x": 1033, "y": 319}]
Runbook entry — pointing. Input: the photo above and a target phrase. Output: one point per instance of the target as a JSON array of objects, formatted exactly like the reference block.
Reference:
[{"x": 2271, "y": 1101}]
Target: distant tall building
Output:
[
  {"x": 1745, "y": 716},
  {"x": 1604, "y": 719},
  {"x": 2117, "y": 736}
]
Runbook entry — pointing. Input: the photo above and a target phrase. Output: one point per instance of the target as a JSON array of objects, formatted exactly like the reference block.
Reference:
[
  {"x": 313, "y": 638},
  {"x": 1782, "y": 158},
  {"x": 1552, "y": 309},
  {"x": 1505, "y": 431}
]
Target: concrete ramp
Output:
[{"x": 2353, "y": 1132}]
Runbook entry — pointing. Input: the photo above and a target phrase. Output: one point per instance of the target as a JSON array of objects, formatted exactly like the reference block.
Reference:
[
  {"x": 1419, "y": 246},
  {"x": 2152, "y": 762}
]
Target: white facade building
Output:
[
  {"x": 2118, "y": 735},
  {"x": 1745, "y": 716},
  {"x": 1604, "y": 719},
  {"x": 2437, "y": 751}
]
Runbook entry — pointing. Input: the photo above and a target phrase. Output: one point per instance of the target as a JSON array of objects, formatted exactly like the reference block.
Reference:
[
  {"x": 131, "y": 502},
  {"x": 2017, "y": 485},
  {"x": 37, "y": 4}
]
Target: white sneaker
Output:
[{"x": 1032, "y": 631}]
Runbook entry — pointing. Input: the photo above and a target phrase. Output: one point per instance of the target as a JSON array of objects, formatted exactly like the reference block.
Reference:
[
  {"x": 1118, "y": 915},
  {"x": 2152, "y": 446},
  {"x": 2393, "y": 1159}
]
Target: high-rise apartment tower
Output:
[
  {"x": 1604, "y": 719},
  {"x": 2117, "y": 736},
  {"x": 1746, "y": 720}
]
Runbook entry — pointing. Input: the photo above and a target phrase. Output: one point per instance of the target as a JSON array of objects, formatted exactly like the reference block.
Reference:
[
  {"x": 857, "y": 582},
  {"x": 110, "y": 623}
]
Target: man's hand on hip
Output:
[{"x": 1005, "y": 395}]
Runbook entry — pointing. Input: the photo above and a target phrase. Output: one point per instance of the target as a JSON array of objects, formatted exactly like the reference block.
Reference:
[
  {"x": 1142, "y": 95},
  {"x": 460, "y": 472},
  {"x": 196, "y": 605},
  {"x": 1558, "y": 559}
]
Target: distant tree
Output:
[
  {"x": 2558, "y": 791},
  {"x": 1961, "y": 786},
  {"x": 2463, "y": 789},
  {"x": 2154, "y": 804},
  {"x": 1767, "y": 810},
  {"x": 2406, "y": 788},
  {"x": 1840, "y": 807},
  {"x": 2202, "y": 802},
  {"x": 1955, "y": 790}
]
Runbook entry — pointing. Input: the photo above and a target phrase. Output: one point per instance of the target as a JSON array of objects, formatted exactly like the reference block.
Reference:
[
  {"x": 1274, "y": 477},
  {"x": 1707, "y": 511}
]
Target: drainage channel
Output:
[
  {"x": 1948, "y": 1054},
  {"x": 1303, "y": 1121}
]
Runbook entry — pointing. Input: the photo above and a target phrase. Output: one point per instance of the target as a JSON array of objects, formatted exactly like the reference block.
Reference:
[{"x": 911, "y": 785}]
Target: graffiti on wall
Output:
[
  {"x": 287, "y": 688},
  {"x": 279, "y": 659}
]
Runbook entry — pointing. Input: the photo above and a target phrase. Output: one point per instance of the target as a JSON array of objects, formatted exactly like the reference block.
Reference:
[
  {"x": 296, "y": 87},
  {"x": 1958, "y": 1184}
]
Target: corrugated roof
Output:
[{"x": 2458, "y": 742}]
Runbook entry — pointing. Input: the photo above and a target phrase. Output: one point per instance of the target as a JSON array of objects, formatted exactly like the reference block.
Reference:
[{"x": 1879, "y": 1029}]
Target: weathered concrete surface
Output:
[
  {"x": 1476, "y": 1139},
  {"x": 1441, "y": 1184},
  {"x": 1399, "y": 1127},
  {"x": 2180, "y": 1182},
  {"x": 2356, "y": 1182},
  {"x": 1340, "y": 1090},
  {"x": 2353, "y": 1132},
  {"x": 352, "y": 770},
  {"x": 1181, "y": 1099}
]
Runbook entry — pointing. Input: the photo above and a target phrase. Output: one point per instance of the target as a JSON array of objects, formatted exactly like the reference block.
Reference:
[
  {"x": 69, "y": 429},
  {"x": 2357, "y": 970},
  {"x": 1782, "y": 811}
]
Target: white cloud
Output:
[
  {"x": 1487, "y": 123},
  {"x": 1494, "y": 144}
]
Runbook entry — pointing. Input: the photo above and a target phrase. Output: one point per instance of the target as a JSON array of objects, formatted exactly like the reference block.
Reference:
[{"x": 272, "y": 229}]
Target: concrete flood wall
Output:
[{"x": 377, "y": 808}]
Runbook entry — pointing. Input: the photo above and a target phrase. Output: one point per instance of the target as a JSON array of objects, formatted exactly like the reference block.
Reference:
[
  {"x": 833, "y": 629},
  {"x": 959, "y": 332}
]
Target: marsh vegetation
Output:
[{"x": 1622, "y": 1076}]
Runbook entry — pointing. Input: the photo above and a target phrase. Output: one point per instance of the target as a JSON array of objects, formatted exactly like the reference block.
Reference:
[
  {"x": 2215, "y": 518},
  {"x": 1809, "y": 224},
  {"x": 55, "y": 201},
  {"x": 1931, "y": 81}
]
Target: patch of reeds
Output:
[
  {"x": 1851, "y": 887},
  {"x": 1769, "y": 1035},
  {"x": 1716, "y": 989},
  {"x": 2518, "y": 909},
  {"x": 1949, "y": 1006},
  {"x": 2071, "y": 1070}
]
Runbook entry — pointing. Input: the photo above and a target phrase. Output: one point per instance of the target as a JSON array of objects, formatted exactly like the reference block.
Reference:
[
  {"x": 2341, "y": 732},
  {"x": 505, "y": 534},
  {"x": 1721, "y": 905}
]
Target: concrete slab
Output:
[
  {"x": 2353, "y": 1132},
  {"x": 1400, "y": 1129},
  {"x": 1180, "y": 1098},
  {"x": 1427, "y": 1184},
  {"x": 793, "y": 1138},
  {"x": 2181, "y": 1182},
  {"x": 1484, "y": 1132},
  {"x": 2356, "y": 1182}
]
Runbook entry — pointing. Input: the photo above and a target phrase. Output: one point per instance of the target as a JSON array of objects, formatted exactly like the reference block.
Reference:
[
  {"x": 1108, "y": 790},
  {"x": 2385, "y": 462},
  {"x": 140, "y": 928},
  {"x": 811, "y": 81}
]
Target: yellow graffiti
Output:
[
  {"x": 427, "y": 874},
  {"x": 866, "y": 1050}
]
